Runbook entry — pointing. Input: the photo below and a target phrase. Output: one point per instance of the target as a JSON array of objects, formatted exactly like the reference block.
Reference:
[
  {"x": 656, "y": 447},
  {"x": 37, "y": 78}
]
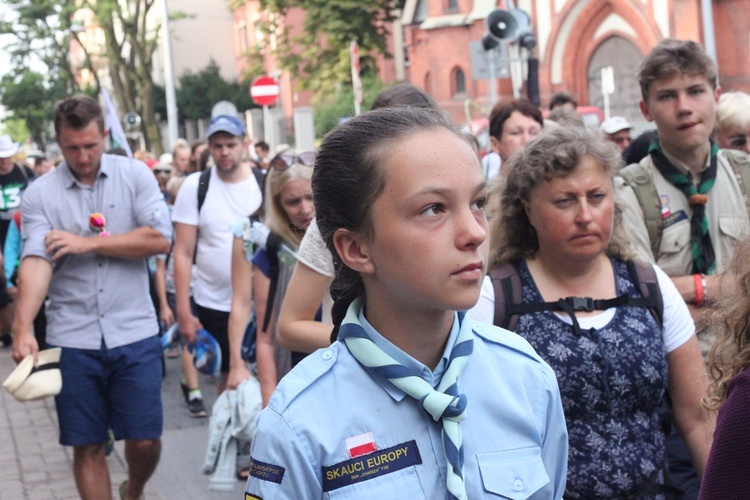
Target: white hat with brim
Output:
[
  {"x": 8, "y": 148},
  {"x": 28, "y": 382}
]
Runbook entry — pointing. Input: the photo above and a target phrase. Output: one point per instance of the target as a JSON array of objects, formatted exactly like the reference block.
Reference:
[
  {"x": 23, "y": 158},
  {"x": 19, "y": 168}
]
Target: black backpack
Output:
[{"x": 509, "y": 302}]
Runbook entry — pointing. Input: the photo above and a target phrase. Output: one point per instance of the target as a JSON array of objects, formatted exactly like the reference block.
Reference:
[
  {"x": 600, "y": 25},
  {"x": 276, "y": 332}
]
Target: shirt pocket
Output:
[
  {"x": 732, "y": 227},
  {"x": 675, "y": 250},
  {"x": 515, "y": 474},
  {"x": 400, "y": 484}
]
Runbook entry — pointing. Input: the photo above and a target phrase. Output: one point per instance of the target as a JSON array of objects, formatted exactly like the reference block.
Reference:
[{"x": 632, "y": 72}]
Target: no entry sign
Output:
[{"x": 264, "y": 90}]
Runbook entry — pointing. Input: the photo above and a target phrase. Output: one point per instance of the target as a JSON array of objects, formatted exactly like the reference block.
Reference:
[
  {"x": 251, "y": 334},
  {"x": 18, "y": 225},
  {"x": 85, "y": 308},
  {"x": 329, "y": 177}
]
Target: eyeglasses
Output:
[
  {"x": 282, "y": 162},
  {"x": 162, "y": 171}
]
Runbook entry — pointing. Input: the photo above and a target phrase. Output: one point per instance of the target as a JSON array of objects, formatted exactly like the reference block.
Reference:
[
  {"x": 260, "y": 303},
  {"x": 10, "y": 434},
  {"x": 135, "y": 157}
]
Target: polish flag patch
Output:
[{"x": 361, "y": 444}]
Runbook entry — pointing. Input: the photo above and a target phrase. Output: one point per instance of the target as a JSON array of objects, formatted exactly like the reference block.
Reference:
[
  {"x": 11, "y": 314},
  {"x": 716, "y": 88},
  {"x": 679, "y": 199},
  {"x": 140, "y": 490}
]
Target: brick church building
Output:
[{"x": 575, "y": 39}]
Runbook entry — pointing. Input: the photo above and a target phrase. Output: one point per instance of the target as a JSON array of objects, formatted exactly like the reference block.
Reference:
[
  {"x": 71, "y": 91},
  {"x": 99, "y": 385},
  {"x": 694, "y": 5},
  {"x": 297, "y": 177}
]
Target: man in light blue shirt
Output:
[{"x": 87, "y": 229}]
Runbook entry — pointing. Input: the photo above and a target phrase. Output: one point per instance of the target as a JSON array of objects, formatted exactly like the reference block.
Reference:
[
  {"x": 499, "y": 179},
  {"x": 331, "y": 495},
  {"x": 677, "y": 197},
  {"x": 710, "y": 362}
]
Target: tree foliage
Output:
[
  {"x": 198, "y": 92},
  {"x": 41, "y": 73},
  {"x": 332, "y": 108},
  {"x": 319, "y": 55},
  {"x": 131, "y": 37}
]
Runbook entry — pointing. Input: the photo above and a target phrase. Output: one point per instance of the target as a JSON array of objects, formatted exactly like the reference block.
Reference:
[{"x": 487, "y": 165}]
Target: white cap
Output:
[{"x": 614, "y": 125}]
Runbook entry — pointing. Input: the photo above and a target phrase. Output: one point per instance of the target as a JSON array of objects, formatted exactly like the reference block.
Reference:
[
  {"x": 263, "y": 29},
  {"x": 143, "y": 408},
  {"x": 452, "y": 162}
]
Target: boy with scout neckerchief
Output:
[{"x": 684, "y": 203}]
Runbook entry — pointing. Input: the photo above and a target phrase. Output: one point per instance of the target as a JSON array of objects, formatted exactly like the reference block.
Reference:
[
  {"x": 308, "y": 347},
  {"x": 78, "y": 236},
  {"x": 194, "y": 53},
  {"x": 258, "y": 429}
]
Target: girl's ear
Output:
[{"x": 353, "y": 250}]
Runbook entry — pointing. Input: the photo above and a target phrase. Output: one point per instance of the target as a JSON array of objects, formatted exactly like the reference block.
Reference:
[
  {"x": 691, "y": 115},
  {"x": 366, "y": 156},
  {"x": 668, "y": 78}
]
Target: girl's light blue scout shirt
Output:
[{"x": 329, "y": 409}]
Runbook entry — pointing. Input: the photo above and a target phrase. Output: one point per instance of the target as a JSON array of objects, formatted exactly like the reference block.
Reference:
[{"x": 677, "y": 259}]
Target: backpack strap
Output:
[
  {"x": 273, "y": 244},
  {"x": 509, "y": 304},
  {"x": 203, "y": 182},
  {"x": 507, "y": 286},
  {"x": 637, "y": 177},
  {"x": 740, "y": 163},
  {"x": 644, "y": 278}
]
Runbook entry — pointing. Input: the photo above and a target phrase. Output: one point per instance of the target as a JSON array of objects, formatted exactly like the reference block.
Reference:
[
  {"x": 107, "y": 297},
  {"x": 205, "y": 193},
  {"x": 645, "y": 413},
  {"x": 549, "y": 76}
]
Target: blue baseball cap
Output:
[{"x": 225, "y": 123}]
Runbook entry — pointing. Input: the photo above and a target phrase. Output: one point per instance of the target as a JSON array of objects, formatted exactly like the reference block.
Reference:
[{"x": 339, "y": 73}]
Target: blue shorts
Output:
[{"x": 118, "y": 389}]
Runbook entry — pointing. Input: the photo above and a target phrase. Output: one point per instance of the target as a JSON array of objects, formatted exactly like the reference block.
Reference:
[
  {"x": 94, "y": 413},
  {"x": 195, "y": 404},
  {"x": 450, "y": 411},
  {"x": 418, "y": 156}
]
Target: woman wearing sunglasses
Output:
[{"x": 289, "y": 210}]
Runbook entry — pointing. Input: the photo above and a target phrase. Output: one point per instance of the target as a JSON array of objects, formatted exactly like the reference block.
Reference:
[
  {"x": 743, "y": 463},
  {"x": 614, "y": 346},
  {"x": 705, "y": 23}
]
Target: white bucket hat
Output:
[
  {"x": 26, "y": 382},
  {"x": 7, "y": 147}
]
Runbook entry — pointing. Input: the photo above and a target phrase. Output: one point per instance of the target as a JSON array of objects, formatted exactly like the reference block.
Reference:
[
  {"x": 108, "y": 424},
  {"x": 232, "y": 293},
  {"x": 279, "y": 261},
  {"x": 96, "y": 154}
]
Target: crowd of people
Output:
[{"x": 561, "y": 318}]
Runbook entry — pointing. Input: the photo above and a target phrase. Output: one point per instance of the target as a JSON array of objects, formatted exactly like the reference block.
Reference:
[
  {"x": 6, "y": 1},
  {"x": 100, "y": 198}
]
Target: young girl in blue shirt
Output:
[{"x": 413, "y": 400}]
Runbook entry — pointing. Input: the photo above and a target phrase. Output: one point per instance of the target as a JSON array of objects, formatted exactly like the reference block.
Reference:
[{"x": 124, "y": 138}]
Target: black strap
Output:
[
  {"x": 41, "y": 368},
  {"x": 272, "y": 250},
  {"x": 509, "y": 303},
  {"x": 644, "y": 278},
  {"x": 507, "y": 285},
  {"x": 203, "y": 181}
]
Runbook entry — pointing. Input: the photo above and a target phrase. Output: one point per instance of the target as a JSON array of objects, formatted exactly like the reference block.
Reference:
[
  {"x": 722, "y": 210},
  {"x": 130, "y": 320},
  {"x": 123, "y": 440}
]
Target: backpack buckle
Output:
[{"x": 581, "y": 303}]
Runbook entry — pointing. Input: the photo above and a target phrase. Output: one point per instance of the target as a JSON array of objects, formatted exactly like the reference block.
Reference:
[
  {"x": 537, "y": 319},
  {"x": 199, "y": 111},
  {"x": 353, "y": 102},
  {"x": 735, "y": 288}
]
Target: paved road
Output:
[{"x": 33, "y": 465}]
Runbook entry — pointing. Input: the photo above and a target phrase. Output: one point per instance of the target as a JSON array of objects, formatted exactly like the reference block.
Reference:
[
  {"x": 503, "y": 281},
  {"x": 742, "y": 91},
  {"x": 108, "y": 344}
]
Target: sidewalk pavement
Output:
[{"x": 34, "y": 465}]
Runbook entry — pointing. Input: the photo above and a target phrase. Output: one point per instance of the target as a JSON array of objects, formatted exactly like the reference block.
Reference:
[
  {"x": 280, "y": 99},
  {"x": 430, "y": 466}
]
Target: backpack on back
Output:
[{"x": 637, "y": 177}]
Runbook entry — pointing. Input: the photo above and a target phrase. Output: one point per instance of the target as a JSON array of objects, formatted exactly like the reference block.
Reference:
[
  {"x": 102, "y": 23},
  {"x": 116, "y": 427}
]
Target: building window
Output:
[
  {"x": 452, "y": 5},
  {"x": 242, "y": 32},
  {"x": 428, "y": 83},
  {"x": 459, "y": 83},
  {"x": 421, "y": 12}
]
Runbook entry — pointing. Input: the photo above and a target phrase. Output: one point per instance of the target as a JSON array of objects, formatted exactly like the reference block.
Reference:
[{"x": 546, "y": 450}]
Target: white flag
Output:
[{"x": 112, "y": 122}]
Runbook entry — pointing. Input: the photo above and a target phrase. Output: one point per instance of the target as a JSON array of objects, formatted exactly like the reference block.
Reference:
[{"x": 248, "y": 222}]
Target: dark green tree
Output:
[
  {"x": 198, "y": 92},
  {"x": 319, "y": 55},
  {"x": 332, "y": 108},
  {"x": 39, "y": 34}
]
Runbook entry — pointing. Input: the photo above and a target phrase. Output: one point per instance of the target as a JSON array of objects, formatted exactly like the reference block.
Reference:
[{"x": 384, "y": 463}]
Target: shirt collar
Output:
[
  {"x": 430, "y": 376},
  {"x": 70, "y": 180},
  {"x": 656, "y": 146}
]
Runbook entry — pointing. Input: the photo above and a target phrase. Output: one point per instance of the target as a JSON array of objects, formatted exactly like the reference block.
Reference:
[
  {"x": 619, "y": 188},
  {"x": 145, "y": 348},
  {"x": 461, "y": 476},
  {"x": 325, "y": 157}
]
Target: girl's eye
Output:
[
  {"x": 563, "y": 202},
  {"x": 480, "y": 204},
  {"x": 597, "y": 197},
  {"x": 738, "y": 142},
  {"x": 433, "y": 209}
]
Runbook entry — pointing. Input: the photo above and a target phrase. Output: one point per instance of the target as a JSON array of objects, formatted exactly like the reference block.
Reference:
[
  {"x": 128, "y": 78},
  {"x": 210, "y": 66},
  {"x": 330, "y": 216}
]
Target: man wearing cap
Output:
[
  {"x": 617, "y": 129},
  {"x": 13, "y": 180},
  {"x": 88, "y": 228},
  {"x": 203, "y": 235}
]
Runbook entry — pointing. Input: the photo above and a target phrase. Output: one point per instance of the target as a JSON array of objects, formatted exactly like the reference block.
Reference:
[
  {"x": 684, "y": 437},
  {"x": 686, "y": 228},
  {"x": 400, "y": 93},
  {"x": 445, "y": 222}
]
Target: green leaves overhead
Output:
[{"x": 319, "y": 54}]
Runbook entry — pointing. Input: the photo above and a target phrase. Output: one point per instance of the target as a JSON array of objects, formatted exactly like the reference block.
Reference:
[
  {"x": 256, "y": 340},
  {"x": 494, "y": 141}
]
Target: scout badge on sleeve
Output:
[{"x": 98, "y": 224}]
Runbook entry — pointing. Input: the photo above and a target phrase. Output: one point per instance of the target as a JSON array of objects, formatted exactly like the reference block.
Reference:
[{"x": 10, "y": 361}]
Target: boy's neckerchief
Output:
[{"x": 704, "y": 258}]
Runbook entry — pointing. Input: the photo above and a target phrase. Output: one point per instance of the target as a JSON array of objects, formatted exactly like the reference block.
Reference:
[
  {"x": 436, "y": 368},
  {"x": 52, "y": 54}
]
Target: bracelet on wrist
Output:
[{"x": 700, "y": 283}]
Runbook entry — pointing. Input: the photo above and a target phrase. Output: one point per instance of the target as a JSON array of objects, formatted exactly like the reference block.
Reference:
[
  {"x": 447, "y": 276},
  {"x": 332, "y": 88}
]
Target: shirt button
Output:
[
  {"x": 518, "y": 484},
  {"x": 100, "y": 264},
  {"x": 101, "y": 290},
  {"x": 327, "y": 355}
]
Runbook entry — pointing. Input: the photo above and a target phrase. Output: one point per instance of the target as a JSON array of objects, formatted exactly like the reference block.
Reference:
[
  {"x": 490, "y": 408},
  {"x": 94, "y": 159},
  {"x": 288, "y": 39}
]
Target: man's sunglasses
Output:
[
  {"x": 282, "y": 162},
  {"x": 162, "y": 171}
]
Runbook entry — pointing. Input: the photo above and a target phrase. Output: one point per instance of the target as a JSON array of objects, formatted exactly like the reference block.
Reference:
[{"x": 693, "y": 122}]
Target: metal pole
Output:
[
  {"x": 268, "y": 129},
  {"x": 169, "y": 80},
  {"x": 492, "y": 77},
  {"x": 708, "y": 28}
]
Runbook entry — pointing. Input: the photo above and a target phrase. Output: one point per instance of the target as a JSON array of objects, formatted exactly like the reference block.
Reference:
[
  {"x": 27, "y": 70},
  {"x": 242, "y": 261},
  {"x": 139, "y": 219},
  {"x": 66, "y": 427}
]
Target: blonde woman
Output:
[{"x": 289, "y": 211}]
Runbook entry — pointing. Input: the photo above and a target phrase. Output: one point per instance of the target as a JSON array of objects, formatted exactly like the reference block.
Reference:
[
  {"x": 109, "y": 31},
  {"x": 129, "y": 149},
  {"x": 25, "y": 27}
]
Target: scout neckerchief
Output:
[
  {"x": 444, "y": 404},
  {"x": 704, "y": 259}
]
